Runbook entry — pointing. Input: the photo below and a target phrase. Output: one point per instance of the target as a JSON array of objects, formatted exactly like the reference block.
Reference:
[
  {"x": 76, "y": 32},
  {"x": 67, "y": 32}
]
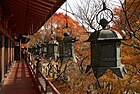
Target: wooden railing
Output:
[{"x": 42, "y": 85}]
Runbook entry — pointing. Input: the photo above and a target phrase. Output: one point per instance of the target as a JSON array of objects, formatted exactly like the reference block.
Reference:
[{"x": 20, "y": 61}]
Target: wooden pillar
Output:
[
  {"x": 13, "y": 51},
  {"x": 9, "y": 54},
  {"x": 6, "y": 55},
  {"x": 20, "y": 48},
  {"x": 37, "y": 72},
  {"x": 17, "y": 50},
  {"x": 2, "y": 57}
]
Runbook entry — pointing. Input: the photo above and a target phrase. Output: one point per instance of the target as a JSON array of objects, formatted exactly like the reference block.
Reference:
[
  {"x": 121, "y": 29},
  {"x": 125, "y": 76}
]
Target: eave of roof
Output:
[{"x": 27, "y": 16}]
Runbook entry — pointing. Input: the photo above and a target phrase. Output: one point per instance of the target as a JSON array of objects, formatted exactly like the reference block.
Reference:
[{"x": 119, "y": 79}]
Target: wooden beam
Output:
[
  {"x": 24, "y": 11},
  {"x": 12, "y": 5},
  {"x": 5, "y": 32},
  {"x": 41, "y": 6},
  {"x": 38, "y": 9},
  {"x": 51, "y": 1},
  {"x": 12, "y": 2},
  {"x": 32, "y": 13},
  {"x": 45, "y": 4}
]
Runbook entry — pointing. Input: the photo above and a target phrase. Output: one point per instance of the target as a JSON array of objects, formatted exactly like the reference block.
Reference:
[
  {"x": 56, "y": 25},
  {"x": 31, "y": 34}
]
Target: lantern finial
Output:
[
  {"x": 103, "y": 23},
  {"x": 104, "y": 16}
]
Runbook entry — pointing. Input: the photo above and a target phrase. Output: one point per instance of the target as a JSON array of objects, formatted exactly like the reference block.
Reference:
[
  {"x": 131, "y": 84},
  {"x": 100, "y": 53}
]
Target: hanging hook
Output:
[
  {"x": 66, "y": 15},
  {"x": 104, "y": 6},
  {"x": 103, "y": 21},
  {"x": 67, "y": 26},
  {"x": 51, "y": 26}
]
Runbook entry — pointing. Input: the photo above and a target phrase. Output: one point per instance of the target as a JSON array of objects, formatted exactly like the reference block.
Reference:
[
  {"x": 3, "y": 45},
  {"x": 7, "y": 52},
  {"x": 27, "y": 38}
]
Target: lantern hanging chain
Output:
[
  {"x": 104, "y": 4},
  {"x": 66, "y": 16},
  {"x": 32, "y": 28},
  {"x": 51, "y": 22},
  {"x": 51, "y": 25}
]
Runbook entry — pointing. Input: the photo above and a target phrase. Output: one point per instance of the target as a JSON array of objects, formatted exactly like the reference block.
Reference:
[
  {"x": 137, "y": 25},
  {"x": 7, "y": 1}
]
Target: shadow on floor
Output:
[{"x": 18, "y": 80}]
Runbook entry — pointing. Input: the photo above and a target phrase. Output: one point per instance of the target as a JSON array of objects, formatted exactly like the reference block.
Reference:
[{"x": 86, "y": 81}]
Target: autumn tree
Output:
[
  {"x": 126, "y": 16},
  {"x": 76, "y": 82},
  {"x": 126, "y": 19}
]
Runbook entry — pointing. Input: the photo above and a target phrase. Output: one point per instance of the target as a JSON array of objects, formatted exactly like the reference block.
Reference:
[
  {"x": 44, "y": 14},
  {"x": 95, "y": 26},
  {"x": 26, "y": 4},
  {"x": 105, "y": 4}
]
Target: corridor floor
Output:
[{"x": 18, "y": 80}]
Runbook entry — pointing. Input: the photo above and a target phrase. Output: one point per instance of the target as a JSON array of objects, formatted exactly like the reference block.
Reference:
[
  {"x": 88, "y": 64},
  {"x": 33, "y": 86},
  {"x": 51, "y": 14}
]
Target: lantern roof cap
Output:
[
  {"x": 105, "y": 34},
  {"x": 44, "y": 44},
  {"x": 66, "y": 34},
  {"x": 53, "y": 42},
  {"x": 35, "y": 46}
]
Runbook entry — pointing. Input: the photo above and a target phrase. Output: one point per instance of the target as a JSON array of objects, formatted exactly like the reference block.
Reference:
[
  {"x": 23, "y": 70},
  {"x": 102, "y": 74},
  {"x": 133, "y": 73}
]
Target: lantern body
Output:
[
  {"x": 38, "y": 49},
  {"x": 35, "y": 49},
  {"x": 52, "y": 50},
  {"x": 67, "y": 48},
  {"x": 44, "y": 48},
  {"x": 106, "y": 52},
  {"x": 30, "y": 49}
]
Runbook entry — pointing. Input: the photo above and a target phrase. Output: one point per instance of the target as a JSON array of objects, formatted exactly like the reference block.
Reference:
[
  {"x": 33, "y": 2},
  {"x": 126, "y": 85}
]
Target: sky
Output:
[{"x": 72, "y": 3}]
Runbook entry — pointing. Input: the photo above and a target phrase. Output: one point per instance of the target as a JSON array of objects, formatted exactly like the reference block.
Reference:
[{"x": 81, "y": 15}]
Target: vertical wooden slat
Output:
[
  {"x": 13, "y": 50},
  {"x": 9, "y": 54},
  {"x": 2, "y": 56},
  {"x": 5, "y": 55}
]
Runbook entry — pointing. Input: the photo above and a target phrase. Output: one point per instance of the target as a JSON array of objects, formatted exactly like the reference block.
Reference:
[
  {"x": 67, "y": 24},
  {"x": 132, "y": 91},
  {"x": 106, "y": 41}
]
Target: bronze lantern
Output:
[
  {"x": 52, "y": 50},
  {"x": 44, "y": 48},
  {"x": 106, "y": 51},
  {"x": 35, "y": 49},
  {"x": 67, "y": 51},
  {"x": 38, "y": 49}
]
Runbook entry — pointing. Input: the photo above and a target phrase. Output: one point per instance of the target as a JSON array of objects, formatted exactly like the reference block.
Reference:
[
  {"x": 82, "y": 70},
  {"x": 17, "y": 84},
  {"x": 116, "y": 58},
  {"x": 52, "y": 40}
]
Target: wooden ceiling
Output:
[{"x": 27, "y": 16}]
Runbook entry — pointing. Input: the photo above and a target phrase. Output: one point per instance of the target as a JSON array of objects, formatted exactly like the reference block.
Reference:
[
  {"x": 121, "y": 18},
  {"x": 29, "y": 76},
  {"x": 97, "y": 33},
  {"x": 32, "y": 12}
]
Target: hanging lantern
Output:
[
  {"x": 106, "y": 51},
  {"x": 52, "y": 50},
  {"x": 44, "y": 48},
  {"x": 67, "y": 44},
  {"x": 68, "y": 47},
  {"x": 35, "y": 49},
  {"x": 30, "y": 49},
  {"x": 38, "y": 49}
]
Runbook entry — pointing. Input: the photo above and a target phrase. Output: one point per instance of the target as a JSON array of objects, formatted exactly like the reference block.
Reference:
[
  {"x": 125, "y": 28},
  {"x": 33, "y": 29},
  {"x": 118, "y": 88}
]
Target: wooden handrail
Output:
[{"x": 37, "y": 77}]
